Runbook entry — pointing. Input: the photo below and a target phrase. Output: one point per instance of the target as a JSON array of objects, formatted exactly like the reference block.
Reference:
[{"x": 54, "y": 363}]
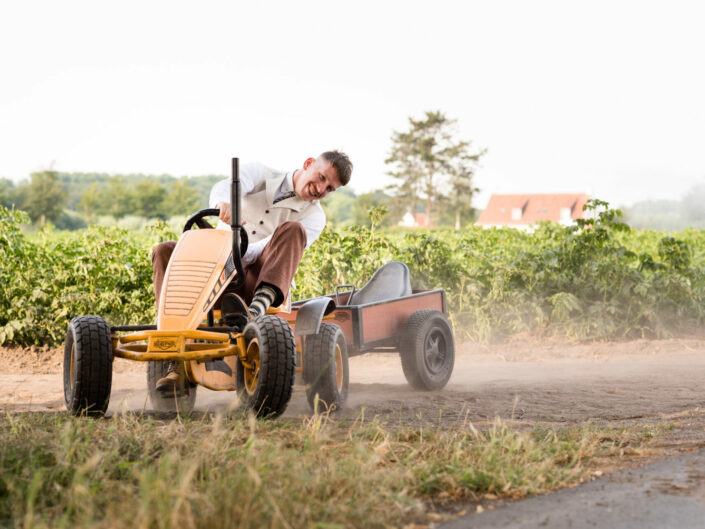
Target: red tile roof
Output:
[
  {"x": 532, "y": 208},
  {"x": 420, "y": 219}
]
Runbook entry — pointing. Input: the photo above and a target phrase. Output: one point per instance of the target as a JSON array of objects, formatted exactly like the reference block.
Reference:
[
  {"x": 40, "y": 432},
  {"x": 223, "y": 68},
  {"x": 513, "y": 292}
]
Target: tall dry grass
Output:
[{"x": 134, "y": 471}]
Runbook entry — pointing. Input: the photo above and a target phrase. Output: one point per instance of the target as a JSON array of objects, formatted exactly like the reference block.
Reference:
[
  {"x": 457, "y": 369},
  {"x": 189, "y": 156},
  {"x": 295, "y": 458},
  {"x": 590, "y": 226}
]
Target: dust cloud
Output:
[{"x": 522, "y": 380}]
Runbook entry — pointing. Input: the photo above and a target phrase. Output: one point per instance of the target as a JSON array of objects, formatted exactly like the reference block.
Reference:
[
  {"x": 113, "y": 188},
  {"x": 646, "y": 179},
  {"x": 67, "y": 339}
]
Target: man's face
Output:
[{"x": 316, "y": 180}]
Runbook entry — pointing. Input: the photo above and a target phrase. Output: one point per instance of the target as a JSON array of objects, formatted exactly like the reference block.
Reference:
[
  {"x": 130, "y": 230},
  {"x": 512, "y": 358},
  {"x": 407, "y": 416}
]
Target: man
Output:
[{"x": 282, "y": 216}]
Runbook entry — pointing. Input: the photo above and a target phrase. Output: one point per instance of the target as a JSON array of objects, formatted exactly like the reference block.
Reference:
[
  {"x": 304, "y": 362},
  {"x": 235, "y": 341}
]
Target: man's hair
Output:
[{"x": 341, "y": 162}]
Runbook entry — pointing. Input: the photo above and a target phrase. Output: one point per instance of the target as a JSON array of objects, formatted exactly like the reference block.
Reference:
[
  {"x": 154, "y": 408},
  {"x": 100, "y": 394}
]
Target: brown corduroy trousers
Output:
[{"x": 275, "y": 266}]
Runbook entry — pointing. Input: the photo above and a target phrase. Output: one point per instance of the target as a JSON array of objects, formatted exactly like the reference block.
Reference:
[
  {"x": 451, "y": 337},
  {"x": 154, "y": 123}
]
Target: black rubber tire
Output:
[
  {"x": 270, "y": 391},
  {"x": 427, "y": 350},
  {"x": 320, "y": 368},
  {"x": 164, "y": 402},
  {"x": 88, "y": 366}
]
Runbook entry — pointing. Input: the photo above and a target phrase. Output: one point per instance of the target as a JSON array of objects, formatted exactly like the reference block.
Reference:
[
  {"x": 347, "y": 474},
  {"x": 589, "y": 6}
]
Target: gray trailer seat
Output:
[{"x": 388, "y": 282}]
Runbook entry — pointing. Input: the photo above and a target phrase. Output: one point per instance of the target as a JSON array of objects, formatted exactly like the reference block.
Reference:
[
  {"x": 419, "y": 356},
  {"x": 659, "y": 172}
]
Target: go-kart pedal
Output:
[{"x": 234, "y": 311}]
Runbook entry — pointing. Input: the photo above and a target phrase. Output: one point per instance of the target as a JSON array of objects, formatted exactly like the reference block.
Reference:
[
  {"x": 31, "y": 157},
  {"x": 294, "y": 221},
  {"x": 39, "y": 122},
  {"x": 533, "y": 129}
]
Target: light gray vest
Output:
[{"x": 263, "y": 215}]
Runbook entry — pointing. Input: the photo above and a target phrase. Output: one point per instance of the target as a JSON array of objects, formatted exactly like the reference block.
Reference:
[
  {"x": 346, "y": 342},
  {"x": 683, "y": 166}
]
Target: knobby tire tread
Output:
[
  {"x": 277, "y": 367},
  {"x": 93, "y": 360},
  {"x": 318, "y": 358},
  {"x": 412, "y": 345}
]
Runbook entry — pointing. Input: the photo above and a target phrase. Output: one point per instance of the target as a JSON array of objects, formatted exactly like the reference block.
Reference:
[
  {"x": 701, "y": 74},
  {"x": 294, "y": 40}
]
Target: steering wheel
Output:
[{"x": 199, "y": 220}]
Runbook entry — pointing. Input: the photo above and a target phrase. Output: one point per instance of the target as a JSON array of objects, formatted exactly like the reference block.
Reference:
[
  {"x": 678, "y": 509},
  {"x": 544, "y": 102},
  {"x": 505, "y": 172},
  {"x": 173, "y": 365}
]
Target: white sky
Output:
[{"x": 604, "y": 97}]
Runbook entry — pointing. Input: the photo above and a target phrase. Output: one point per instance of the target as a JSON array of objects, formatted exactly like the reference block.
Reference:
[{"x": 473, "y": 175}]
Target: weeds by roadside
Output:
[{"x": 136, "y": 471}]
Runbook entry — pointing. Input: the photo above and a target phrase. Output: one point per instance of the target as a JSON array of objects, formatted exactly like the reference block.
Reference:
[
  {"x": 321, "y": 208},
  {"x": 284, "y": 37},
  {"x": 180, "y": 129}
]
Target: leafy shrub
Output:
[
  {"x": 70, "y": 220},
  {"x": 48, "y": 281},
  {"x": 597, "y": 280}
]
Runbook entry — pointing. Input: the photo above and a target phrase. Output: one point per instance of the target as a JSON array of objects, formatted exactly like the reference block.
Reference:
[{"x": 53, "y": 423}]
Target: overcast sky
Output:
[{"x": 599, "y": 97}]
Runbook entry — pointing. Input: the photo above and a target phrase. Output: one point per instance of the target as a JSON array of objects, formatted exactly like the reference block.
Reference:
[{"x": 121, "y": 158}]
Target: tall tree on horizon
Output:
[
  {"x": 90, "y": 202},
  {"x": 430, "y": 164},
  {"x": 43, "y": 196},
  {"x": 181, "y": 198},
  {"x": 8, "y": 193}
]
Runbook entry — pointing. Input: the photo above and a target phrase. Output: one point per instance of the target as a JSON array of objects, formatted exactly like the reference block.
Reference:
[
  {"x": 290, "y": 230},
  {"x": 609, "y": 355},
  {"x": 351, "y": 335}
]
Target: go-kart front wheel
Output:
[
  {"x": 427, "y": 350},
  {"x": 88, "y": 366},
  {"x": 264, "y": 381},
  {"x": 325, "y": 366}
]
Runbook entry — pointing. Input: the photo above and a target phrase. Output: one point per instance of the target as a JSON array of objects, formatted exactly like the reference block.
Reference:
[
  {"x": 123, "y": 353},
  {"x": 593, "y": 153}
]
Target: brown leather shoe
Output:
[{"x": 174, "y": 381}]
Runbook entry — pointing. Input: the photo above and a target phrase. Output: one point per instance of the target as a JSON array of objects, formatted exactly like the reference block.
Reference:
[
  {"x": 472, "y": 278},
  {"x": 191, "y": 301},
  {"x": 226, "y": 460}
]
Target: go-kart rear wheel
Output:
[
  {"x": 264, "y": 382},
  {"x": 325, "y": 366},
  {"x": 181, "y": 403},
  {"x": 88, "y": 366},
  {"x": 427, "y": 350}
]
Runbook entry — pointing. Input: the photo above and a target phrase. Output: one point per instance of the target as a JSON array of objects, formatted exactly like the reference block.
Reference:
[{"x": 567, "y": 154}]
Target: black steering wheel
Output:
[{"x": 199, "y": 220}]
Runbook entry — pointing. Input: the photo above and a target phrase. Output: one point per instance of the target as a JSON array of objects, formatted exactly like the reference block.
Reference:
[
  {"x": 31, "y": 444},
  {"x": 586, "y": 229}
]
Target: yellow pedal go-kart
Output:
[{"x": 220, "y": 350}]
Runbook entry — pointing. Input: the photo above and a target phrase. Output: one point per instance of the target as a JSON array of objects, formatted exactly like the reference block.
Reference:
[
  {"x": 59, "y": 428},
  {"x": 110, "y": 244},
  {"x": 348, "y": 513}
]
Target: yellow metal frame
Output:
[
  {"x": 173, "y": 345},
  {"x": 179, "y": 346}
]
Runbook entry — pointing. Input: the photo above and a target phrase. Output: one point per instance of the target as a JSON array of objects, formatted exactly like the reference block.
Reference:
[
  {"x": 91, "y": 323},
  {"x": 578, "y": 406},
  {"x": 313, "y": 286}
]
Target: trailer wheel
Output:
[
  {"x": 88, "y": 366},
  {"x": 164, "y": 402},
  {"x": 427, "y": 350},
  {"x": 265, "y": 380},
  {"x": 325, "y": 366}
]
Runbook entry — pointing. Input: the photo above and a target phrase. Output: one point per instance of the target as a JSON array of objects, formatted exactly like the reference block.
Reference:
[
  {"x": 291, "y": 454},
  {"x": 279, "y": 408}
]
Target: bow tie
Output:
[{"x": 284, "y": 196}]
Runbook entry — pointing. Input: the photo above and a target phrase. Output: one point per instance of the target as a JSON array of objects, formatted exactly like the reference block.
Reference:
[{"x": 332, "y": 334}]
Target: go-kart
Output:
[
  {"x": 258, "y": 358},
  {"x": 220, "y": 351}
]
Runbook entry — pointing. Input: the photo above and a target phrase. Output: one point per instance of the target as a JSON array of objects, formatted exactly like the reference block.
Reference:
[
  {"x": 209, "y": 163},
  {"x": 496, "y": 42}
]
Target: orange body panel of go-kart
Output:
[
  {"x": 200, "y": 268},
  {"x": 196, "y": 274}
]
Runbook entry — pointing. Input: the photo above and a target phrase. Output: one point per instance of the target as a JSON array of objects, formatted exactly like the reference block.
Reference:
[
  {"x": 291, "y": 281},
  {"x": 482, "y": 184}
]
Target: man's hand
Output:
[{"x": 224, "y": 214}]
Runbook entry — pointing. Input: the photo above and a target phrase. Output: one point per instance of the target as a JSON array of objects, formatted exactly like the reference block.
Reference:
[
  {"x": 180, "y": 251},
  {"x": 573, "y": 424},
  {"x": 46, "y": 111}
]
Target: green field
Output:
[{"x": 605, "y": 281}]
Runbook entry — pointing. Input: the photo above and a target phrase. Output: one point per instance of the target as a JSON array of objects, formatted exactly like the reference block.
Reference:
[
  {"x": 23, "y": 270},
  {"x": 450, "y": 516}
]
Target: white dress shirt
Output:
[{"x": 251, "y": 175}]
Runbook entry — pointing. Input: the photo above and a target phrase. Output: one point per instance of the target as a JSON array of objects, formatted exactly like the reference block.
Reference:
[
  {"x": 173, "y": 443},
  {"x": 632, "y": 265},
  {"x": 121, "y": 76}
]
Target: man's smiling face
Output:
[{"x": 317, "y": 178}]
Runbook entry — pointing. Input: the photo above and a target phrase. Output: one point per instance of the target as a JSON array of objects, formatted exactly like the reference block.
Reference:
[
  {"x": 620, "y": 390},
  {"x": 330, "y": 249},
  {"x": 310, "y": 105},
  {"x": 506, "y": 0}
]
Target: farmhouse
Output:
[
  {"x": 417, "y": 220},
  {"x": 523, "y": 211}
]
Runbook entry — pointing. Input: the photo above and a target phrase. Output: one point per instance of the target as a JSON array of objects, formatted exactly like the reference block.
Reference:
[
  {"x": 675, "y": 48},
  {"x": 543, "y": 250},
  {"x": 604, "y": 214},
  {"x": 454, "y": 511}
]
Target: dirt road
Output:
[{"x": 529, "y": 382}]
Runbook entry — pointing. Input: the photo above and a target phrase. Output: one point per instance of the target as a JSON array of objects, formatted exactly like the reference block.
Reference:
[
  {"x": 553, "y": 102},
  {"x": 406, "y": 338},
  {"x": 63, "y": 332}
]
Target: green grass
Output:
[{"x": 212, "y": 471}]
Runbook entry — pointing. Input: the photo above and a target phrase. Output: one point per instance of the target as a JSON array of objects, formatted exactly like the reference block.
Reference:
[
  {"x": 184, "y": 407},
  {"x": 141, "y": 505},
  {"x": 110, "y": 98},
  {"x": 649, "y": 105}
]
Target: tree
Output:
[
  {"x": 429, "y": 164},
  {"x": 90, "y": 202},
  {"x": 692, "y": 206},
  {"x": 338, "y": 206},
  {"x": 43, "y": 197},
  {"x": 8, "y": 194},
  {"x": 364, "y": 203},
  {"x": 182, "y": 199},
  {"x": 119, "y": 200},
  {"x": 148, "y": 199},
  {"x": 462, "y": 190}
]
